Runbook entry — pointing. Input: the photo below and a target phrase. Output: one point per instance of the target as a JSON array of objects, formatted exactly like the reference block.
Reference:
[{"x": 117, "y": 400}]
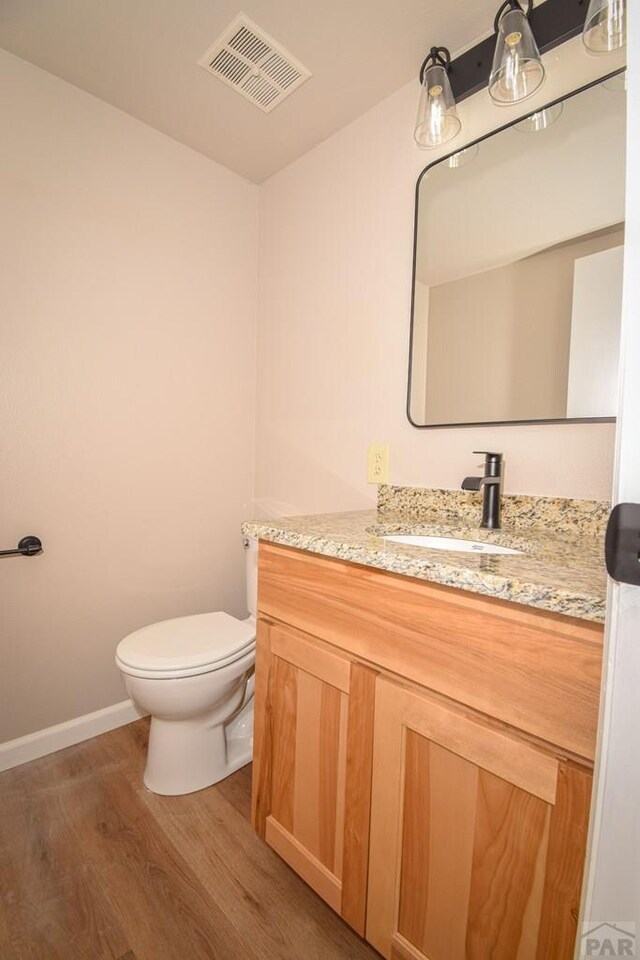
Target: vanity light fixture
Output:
[
  {"x": 522, "y": 29},
  {"x": 437, "y": 120},
  {"x": 517, "y": 70},
  {"x": 605, "y": 28}
]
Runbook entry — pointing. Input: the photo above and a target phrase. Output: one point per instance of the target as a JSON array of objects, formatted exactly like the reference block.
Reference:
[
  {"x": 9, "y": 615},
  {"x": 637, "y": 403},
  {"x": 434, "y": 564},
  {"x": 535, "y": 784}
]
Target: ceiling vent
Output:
[{"x": 253, "y": 63}]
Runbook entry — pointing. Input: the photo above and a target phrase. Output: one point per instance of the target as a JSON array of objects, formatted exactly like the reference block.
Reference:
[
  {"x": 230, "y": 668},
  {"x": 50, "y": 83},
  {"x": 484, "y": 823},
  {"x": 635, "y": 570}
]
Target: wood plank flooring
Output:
[{"x": 94, "y": 867}]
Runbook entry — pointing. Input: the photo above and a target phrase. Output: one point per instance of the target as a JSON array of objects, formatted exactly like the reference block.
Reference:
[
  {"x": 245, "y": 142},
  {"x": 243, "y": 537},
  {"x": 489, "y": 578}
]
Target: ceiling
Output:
[{"x": 141, "y": 56}]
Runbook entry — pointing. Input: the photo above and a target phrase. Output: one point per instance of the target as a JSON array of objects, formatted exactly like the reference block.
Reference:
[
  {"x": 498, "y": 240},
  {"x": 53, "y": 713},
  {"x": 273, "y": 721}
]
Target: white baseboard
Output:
[{"x": 51, "y": 739}]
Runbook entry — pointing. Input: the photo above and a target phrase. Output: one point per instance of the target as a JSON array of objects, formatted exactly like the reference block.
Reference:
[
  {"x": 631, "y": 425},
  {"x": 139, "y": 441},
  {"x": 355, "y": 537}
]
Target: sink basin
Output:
[{"x": 450, "y": 543}]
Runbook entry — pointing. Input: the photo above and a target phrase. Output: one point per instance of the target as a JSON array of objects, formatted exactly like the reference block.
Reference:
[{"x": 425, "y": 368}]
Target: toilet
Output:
[{"x": 194, "y": 676}]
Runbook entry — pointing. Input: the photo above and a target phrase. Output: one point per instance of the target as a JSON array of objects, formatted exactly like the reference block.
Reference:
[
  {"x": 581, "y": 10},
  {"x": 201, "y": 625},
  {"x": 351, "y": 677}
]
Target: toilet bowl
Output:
[{"x": 194, "y": 676}]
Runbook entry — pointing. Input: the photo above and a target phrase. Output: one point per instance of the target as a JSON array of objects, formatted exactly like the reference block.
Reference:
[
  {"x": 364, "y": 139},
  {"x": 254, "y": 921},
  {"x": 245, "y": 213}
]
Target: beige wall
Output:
[
  {"x": 498, "y": 341},
  {"x": 127, "y": 328},
  {"x": 335, "y": 282}
]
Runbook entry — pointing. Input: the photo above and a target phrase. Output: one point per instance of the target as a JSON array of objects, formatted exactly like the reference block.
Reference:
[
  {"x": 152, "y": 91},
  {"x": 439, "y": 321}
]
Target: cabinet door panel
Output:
[
  {"x": 472, "y": 845},
  {"x": 437, "y": 847},
  {"x": 318, "y": 803},
  {"x": 507, "y": 878},
  {"x": 307, "y": 740},
  {"x": 284, "y": 699}
]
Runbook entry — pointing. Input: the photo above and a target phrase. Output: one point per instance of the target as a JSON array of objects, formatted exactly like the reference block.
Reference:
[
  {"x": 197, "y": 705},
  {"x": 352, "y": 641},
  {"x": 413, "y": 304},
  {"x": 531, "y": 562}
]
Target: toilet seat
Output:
[{"x": 186, "y": 646}]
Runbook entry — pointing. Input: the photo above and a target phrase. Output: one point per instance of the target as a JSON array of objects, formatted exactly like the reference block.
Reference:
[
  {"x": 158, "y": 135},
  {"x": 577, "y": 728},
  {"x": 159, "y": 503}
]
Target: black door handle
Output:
[
  {"x": 28, "y": 547},
  {"x": 622, "y": 544}
]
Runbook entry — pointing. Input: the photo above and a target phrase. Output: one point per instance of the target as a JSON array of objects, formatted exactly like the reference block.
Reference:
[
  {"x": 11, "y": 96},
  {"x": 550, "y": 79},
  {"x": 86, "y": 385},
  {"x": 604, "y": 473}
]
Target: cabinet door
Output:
[
  {"x": 312, "y": 763},
  {"x": 477, "y": 838}
]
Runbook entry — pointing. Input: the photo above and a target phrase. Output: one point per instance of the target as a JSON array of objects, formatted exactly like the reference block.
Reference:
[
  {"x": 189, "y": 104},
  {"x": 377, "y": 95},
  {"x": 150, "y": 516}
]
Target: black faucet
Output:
[{"x": 491, "y": 485}]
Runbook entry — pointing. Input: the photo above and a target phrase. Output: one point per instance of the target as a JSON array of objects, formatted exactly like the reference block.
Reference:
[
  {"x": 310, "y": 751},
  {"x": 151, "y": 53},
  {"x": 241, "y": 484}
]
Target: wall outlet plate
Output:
[{"x": 378, "y": 463}]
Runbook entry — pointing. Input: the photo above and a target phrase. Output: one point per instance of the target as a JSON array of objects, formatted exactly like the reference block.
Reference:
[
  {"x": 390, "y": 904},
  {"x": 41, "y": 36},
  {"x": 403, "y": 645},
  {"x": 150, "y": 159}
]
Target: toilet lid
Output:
[{"x": 187, "y": 645}]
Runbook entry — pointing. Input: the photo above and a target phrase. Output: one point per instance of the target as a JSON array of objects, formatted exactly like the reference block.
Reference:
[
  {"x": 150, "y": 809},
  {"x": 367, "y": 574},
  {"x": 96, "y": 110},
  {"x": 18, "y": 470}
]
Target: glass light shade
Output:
[
  {"x": 437, "y": 120},
  {"x": 517, "y": 70},
  {"x": 605, "y": 28},
  {"x": 541, "y": 119}
]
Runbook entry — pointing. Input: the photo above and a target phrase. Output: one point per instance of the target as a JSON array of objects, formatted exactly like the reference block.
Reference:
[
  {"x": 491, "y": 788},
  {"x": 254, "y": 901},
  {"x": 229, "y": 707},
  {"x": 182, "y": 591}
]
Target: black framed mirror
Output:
[{"x": 517, "y": 270}]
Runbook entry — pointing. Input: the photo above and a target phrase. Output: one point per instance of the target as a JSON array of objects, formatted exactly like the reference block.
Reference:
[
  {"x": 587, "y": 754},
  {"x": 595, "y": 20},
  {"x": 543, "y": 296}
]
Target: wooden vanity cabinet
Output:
[{"x": 423, "y": 757}]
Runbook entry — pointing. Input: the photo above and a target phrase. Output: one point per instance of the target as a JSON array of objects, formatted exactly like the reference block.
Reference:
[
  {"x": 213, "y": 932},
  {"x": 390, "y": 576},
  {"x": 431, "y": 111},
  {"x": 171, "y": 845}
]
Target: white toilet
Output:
[{"x": 194, "y": 675}]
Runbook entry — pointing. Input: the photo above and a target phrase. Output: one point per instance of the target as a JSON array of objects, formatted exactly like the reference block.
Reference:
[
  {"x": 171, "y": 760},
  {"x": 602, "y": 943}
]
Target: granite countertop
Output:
[{"x": 561, "y": 567}]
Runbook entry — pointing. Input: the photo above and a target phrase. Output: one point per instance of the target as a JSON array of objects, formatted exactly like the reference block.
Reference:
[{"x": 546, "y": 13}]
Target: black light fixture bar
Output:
[{"x": 552, "y": 22}]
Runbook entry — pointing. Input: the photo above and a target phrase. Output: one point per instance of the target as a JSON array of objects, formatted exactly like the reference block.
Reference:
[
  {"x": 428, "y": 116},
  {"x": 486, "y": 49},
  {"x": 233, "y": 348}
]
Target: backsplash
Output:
[{"x": 566, "y": 516}]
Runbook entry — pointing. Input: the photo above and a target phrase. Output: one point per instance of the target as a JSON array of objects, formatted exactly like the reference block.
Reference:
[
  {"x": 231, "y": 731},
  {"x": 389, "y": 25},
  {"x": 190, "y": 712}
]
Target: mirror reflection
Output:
[{"x": 518, "y": 270}]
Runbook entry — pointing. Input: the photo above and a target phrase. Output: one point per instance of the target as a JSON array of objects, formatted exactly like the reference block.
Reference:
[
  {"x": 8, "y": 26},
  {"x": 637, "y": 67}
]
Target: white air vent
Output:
[{"x": 253, "y": 63}]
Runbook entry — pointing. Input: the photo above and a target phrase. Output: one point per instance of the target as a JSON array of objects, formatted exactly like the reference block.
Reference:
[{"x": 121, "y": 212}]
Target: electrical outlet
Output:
[{"x": 378, "y": 463}]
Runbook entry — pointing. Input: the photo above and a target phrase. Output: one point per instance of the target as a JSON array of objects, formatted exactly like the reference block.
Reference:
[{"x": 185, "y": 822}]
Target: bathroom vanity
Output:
[
  {"x": 425, "y": 717},
  {"x": 424, "y": 750}
]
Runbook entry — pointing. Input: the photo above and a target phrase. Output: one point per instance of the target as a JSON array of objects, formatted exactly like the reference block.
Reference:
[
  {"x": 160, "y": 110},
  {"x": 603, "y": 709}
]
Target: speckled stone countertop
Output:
[{"x": 561, "y": 567}]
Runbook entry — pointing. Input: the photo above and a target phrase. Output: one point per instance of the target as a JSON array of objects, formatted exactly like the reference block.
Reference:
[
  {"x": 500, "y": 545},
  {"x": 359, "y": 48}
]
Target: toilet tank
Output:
[{"x": 251, "y": 563}]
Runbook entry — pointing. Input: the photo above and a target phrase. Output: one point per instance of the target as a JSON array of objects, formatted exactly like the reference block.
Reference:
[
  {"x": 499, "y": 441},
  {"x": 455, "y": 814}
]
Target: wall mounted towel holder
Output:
[{"x": 28, "y": 547}]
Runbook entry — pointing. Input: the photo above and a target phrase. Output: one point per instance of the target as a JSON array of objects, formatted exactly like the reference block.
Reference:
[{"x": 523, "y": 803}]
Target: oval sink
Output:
[{"x": 449, "y": 543}]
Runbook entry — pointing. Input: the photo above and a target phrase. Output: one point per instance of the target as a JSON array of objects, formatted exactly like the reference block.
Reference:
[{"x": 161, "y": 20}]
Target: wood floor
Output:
[{"x": 93, "y": 866}]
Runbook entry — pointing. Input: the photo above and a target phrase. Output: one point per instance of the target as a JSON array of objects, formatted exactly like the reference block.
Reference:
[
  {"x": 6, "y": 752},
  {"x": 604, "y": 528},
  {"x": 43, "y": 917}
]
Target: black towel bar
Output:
[{"x": 28, "y": 547}]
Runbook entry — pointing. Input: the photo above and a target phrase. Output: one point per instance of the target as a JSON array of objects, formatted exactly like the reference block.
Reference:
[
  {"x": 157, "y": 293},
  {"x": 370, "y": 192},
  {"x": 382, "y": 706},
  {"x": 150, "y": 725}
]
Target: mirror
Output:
[{"x": 517, "y": 286}]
